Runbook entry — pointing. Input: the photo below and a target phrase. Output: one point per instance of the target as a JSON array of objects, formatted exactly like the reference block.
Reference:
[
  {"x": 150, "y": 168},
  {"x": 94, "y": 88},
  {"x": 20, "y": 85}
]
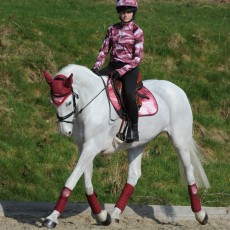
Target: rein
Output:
[
  {"x": 63, "y": 119},
  {"x": 80, "y": 111}
]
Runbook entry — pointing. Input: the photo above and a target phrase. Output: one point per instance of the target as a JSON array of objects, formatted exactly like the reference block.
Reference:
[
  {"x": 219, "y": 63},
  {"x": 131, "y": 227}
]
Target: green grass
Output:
[{"x": 186, "y": 42}]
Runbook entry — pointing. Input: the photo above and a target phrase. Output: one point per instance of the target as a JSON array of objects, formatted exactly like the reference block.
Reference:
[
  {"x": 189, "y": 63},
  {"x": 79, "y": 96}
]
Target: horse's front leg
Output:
[
  {"x": 85, "y": 160},
  {"x": 134, "y": 173},
  {"x": 102, "y": 216}
]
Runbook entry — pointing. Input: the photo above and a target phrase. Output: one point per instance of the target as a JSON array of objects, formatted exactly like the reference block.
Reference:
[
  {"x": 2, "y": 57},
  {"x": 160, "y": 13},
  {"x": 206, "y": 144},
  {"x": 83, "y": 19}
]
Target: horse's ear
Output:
[
  {"x": 69, "y": 81},
  {"x": 48, "y": 77}
]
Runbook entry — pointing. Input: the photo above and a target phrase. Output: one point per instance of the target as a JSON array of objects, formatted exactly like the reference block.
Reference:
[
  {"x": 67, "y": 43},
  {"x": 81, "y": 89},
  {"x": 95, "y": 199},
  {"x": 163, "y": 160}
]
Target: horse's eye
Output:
[{"x": 68, "y": 103}]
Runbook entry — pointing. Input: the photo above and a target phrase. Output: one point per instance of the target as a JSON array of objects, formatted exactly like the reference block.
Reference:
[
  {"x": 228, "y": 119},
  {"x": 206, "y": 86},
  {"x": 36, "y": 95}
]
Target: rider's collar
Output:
[{"x": 127, "y": 25}]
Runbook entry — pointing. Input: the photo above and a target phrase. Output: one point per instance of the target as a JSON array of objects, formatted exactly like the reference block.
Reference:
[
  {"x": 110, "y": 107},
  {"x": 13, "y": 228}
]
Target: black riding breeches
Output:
[{"x": 129, "y": 84}]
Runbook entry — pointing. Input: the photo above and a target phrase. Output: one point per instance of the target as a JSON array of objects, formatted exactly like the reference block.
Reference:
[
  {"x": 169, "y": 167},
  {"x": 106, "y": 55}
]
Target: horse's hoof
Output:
[
  {"x": 49, "y": 223},
  {"x": 202, "y": 217},
  {"x": 205, "y": 220},
  {"x": 117, "y": 221},
  {"x": 107, "y": 221}
]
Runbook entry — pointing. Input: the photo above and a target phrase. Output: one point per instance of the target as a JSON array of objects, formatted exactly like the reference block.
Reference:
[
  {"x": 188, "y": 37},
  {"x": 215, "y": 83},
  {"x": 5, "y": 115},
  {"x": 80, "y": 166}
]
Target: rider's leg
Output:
[{"x": 129, "y": 81}]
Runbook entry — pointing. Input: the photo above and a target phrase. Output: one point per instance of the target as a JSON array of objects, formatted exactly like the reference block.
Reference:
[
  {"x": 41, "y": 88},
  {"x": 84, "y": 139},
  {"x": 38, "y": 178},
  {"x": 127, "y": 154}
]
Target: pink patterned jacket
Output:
[{"x": 126, "y": 43}]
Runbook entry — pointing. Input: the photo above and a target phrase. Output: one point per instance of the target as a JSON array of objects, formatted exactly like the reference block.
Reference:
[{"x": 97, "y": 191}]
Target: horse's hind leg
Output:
[
  {"x": 102, "y": 216},
  {"x": 134, "y": 173},
  {"x": 184, "y": 151}
]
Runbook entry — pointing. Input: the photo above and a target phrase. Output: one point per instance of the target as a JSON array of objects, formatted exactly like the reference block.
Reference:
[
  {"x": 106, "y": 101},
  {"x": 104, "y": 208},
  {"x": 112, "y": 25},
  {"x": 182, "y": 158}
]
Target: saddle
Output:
[{"x": 146, "y": 102}]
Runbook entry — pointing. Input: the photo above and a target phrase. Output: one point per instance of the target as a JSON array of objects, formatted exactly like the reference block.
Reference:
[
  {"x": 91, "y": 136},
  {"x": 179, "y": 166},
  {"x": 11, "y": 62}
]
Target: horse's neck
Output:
[
  {"x": 84, "y": 80},
  {"x": 86, "y": 84}
]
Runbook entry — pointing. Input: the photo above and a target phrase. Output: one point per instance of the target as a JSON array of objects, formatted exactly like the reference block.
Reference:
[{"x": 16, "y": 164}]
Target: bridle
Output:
[
  {"x": 63, "y": 119},
  {"x": 74, "y": 112}
]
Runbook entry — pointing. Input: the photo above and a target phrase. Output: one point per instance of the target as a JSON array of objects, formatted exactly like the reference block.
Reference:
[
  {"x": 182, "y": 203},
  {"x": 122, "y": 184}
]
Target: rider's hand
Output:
[
  {"x": 114, "y": 75},
  {"x": 96, "y": 71}
]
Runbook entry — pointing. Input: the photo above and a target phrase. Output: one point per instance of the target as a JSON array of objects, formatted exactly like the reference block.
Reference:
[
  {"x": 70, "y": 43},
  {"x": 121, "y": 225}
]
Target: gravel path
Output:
[
  {"x": 85, "y": 222},
  {"x": 29, "y": 216}
]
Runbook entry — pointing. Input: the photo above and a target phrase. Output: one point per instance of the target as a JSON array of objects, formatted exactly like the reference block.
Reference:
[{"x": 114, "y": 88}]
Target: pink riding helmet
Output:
[{"x": 126, "y": 4}]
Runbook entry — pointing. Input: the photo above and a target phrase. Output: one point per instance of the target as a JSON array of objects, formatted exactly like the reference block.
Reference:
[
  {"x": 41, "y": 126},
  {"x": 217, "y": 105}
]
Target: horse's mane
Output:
[
  {"x": 80, "y": 73},
  {"x": 67, "y": 70}
]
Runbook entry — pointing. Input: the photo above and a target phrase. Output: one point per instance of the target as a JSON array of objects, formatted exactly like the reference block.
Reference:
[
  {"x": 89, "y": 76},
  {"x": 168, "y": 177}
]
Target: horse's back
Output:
[
  {"x": 173, "y": 105},
  {"x": 170, "y": 93},
  {"x": 164, "y": 87}
]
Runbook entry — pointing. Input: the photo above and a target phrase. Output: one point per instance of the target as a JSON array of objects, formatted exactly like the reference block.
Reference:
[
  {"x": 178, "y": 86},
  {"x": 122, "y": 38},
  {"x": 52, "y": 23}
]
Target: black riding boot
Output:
[{"x": 132, "y": 133}]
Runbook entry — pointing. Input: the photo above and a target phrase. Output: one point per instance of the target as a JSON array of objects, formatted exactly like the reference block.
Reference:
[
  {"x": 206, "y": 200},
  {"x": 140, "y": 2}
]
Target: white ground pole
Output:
[{"x": 155, "y": 212}]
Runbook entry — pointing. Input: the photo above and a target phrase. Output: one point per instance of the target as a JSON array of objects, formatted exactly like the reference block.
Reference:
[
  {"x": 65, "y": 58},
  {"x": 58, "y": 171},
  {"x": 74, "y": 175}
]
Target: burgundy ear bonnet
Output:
[{"x": 61, "y": 87}]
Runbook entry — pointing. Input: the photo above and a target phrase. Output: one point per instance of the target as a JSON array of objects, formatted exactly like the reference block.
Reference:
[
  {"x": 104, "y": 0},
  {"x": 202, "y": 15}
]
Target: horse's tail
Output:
[{"x": 196, "y": 159}]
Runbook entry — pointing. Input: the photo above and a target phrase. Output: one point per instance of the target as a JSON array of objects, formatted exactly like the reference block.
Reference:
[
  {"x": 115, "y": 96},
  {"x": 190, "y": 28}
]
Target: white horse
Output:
[{"x": 85, "y": 113}]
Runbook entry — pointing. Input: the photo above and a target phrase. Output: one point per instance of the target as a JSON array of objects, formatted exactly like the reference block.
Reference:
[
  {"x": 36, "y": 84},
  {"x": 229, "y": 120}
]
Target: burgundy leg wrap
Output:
[
  {"x": 93, "y": 203},
  {"x": 63, "y": 199},
  {"x": 124, "y": 197},
  {"x": 195, "y": 202}
]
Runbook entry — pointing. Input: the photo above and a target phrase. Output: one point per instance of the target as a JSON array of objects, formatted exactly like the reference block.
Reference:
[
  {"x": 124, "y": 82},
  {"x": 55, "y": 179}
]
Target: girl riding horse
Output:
[{"x": 125, "y": 42}]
